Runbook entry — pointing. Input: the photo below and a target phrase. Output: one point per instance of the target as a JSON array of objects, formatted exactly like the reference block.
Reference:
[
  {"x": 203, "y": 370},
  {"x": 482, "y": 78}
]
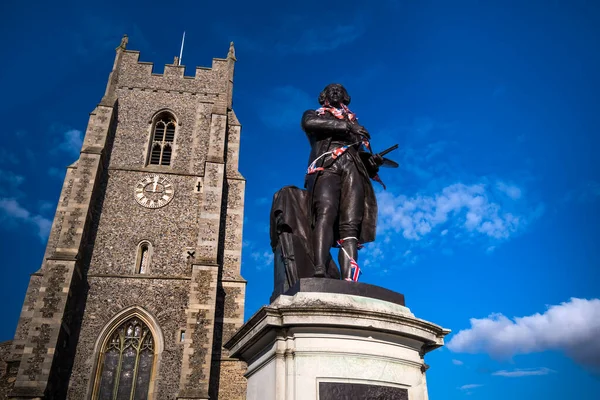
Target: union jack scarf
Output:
[
  {"x": 337, "y": 112},
  {"x": 335, "y": 153},
  {"x": 356, "y": 271}
]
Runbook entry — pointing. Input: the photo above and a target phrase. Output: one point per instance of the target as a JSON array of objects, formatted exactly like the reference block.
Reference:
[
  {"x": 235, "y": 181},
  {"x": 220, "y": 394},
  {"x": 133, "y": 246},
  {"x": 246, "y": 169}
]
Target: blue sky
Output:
[{"x": 490, "y": 226}]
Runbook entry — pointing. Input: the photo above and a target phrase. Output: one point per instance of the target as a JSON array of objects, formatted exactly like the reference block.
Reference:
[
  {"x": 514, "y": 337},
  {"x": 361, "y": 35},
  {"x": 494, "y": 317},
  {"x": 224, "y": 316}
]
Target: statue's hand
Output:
[
  {"x": 377, "y": 160},
  {"x": 373, "y": 163},
  {"x": 360, "y": 130}
]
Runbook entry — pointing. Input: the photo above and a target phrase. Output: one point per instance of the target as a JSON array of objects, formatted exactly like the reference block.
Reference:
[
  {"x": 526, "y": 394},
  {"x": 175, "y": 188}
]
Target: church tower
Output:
[{"x": 140, "y": 284}]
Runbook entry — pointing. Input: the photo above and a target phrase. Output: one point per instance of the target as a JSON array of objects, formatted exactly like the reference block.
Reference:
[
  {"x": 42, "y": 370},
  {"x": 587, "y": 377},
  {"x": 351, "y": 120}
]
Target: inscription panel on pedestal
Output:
[{"x": 360, "y": 391}]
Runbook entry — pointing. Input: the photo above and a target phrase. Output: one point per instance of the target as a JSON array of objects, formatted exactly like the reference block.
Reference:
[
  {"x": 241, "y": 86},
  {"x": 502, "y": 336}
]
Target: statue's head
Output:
[{"x": 334, "y": 94}]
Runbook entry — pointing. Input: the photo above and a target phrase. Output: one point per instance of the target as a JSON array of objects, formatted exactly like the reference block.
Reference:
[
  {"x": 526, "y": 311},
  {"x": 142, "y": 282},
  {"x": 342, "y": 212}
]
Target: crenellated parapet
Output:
[{"x": 133, "y": 73}]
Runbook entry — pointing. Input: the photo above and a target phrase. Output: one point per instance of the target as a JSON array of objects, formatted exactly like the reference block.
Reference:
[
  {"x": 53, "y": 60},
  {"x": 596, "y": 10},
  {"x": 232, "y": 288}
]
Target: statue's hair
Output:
[{"x": 323, "y": 95}]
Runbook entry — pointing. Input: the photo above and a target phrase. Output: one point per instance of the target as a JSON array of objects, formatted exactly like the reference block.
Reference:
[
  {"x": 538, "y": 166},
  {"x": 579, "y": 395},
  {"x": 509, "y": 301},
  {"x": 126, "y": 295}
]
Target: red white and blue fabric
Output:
[
  {"x": 312, "y": 168},
  {"x": 338, "y": 152},
  {"x": 339, "y": 113},
  {"x": 356, "y": 271},
  {"x": 335, "y": 153}
]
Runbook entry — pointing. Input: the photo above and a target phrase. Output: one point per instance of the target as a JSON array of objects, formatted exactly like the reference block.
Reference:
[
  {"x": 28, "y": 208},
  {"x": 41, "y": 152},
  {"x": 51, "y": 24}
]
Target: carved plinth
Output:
[{"x": 310, "y": 345}]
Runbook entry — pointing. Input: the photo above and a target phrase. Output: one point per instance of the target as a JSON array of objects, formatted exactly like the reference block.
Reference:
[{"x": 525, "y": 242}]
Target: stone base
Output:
[{"x": 328, "y": 346}]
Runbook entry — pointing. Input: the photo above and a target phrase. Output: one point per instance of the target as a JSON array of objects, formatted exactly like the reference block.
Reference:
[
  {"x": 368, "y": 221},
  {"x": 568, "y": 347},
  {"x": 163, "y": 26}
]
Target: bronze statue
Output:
[
  {"x": 342, "y": 204},
  {"x": 338, "y": 207}
]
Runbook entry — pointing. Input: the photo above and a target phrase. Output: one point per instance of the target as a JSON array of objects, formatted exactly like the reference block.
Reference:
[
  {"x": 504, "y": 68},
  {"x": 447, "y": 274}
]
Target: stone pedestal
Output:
[{"x": 311, "y": 343}]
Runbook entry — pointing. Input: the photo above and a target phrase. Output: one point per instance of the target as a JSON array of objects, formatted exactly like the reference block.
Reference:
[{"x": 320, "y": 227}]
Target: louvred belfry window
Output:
[
  {"x": 126, "y": 362},
  {"x": 163, "y": 136}
]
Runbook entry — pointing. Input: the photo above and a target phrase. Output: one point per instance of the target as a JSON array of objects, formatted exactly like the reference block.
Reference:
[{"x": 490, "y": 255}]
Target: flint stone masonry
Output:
[
  {"x": 137, "y": 109},
  {"x": 8, "y": 368},
  {"x": 168, "y": 228},
  {"x": 89, "y": 283},
  {"x": 110, "y": 295}
]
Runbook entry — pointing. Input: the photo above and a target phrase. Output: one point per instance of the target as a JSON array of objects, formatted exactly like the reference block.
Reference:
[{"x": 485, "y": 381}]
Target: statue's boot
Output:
[
  {"x": 321, "y": 251},
  {"x": 349, "y": 248},
  {"x": 320, "y": 271}
]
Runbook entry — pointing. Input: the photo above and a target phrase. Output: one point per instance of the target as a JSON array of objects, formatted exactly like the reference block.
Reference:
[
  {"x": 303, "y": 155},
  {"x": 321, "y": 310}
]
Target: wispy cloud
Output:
[
  {"x": 476, "y": 214},
  {"x": 71, "y": 142},
  {"x": 572, "y": 327},
  {"x": 511, "y": 191},
  {"x": 458, "y": 208},
  {"x": 518, "y": 373},
  {"x": 457, "y": 362},
  {"x": 261, "y": 256},
  {"x": 262, "y": 259},
  {"x": 468, "y": 389},
  {"x": 470, "y": 386},
  {"x": 12, "y": 214}
]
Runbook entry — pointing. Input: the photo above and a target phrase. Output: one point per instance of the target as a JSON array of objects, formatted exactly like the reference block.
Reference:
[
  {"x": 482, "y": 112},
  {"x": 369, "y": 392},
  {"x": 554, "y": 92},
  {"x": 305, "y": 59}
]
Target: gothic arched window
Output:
[
  {"x": 142, "y": 260},
  {"x": 126, "y": 362},
  {"x": 163, "y": 136}
]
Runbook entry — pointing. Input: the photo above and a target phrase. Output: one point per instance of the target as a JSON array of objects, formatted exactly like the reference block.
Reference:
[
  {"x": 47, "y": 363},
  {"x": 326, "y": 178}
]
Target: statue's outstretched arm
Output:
[{"x": 320, "y": 127}]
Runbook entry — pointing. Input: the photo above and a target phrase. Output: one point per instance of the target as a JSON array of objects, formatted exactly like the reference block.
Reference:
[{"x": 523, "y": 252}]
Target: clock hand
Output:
[{"x": 155, "y": 184}]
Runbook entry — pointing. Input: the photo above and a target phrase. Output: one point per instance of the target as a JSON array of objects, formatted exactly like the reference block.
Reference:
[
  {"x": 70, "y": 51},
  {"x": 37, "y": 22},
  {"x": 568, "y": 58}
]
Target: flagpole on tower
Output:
[{"x": 181, "y": 51}]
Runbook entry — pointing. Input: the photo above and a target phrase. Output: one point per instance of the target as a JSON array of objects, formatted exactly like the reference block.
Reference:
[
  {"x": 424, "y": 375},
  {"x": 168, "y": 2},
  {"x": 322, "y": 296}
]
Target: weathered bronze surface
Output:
[{"x": 338, "y": 207}]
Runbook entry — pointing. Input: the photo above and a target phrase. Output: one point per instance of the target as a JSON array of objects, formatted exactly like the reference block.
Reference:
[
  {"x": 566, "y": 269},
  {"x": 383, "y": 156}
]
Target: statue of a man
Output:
[{"x": 342, "y": 203}]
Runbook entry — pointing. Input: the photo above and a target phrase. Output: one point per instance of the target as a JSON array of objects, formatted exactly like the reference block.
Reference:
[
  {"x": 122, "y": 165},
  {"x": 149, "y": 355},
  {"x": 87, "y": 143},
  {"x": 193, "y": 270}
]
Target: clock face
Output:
[{"x": 154, "y": 191}]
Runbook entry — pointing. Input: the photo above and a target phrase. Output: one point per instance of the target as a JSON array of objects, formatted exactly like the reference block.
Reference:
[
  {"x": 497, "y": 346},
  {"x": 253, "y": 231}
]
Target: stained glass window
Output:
[
  {"x": 163, "y": 136},
  {"x": 126, "y": 362}
]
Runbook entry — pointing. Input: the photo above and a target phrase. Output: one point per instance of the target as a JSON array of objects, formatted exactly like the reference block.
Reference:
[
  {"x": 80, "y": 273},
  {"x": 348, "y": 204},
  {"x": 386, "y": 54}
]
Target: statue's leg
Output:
[
  {"x": 349, "y": 248},
  {"x": 326, "y": 197},
  {"x": 352, "y": 207}
]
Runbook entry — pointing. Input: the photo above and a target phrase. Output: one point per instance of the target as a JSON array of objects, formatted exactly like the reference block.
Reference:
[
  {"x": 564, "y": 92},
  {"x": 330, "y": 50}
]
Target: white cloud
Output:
[
  {"x": 458, "y": 207},
  {"x": 72, "y": 142},
  {"x": 11, "y": 212},
  {"x": 511, "y": 191},
  {"x": 470, "y": 386},
  {"x": 457, "y": 362},
  {"x": 262, "y": 259},
  {"x": 517, "y": 373},
  {"x": 571, "y": 327}
]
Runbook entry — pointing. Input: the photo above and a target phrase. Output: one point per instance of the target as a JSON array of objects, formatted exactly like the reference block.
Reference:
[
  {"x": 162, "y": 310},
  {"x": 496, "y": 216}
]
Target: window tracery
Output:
[
  {"x": 126, "y": 362},
  {"x": 163, "y": 136}
]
